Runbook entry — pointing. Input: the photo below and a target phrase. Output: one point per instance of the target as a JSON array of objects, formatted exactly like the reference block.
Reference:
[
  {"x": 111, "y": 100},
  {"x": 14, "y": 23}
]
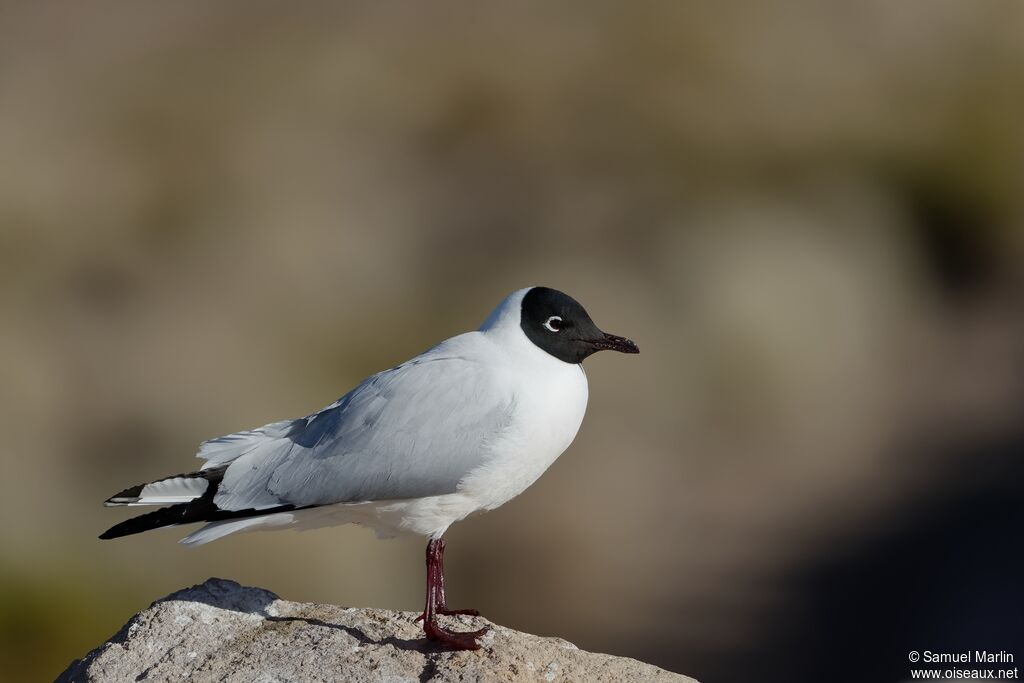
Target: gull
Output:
[{"x": 460, "y": 429}]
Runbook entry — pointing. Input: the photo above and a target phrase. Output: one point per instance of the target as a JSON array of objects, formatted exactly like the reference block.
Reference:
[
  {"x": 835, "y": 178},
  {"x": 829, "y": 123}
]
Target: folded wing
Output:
[{"x": 415, "y": 430}]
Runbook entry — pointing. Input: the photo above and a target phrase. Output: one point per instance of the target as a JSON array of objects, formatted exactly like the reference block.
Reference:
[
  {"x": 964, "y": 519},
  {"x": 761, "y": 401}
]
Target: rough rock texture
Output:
[{"x": 221, "y": 631}]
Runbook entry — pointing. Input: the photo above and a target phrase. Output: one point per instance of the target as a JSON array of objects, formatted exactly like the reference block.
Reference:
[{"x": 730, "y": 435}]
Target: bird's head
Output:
[{"x": 559, "y": 325}]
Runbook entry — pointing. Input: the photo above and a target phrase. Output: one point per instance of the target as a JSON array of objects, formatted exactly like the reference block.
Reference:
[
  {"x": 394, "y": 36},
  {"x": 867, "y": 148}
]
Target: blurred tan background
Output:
[{"x": 809, "y": 216}]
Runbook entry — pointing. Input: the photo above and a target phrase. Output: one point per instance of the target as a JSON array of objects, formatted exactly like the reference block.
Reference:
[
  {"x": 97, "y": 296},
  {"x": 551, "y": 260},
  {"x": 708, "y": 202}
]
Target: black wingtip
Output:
[
  {"x": 175, "y": 514},
  {"x": 199, "y": 510}
]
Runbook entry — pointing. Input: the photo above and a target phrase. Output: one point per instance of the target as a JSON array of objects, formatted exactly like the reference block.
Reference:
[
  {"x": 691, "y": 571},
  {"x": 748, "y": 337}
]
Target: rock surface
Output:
[{"x": 221, "y": 631}]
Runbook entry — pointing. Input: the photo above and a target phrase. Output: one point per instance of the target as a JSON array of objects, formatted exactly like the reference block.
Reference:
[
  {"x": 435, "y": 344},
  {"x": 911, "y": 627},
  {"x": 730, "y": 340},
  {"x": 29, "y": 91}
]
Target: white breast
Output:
[{"x": 550, "y": 401}]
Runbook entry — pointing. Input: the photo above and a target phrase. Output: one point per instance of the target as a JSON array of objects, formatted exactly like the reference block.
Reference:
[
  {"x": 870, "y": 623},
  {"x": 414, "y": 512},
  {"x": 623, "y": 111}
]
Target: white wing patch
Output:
[
  {"x": 174, "y": 490},
  {"x": 165, "y": 492}
]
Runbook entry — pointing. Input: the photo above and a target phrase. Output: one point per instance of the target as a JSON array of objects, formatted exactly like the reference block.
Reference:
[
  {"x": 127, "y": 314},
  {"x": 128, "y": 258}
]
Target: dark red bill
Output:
[{"x": 612, "y": 342}]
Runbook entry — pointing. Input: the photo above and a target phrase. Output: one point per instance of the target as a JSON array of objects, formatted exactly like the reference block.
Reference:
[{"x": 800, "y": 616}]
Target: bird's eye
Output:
[{"x": 553, "y": 324}]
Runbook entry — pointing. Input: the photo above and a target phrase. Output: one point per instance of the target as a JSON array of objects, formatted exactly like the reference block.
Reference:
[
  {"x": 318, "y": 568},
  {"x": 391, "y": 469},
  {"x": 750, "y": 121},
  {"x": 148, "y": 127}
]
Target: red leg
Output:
[
  {"x": 442, "y": 605},
  {"x": 436, "y": 604}
]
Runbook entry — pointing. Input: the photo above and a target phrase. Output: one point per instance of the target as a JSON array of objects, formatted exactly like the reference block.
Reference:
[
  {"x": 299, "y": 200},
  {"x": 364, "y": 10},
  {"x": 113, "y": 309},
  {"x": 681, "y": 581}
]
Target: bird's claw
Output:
[{"x": 456, "y": 640}]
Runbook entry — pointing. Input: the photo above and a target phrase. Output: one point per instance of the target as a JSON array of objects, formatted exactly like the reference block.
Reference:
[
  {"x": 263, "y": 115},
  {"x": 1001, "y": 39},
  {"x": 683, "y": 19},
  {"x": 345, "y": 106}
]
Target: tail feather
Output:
[{"x": 188, "y": 505}]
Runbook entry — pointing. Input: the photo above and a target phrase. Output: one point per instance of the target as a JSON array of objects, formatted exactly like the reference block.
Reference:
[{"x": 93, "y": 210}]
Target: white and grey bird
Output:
[{"x": 461, "y": 428}]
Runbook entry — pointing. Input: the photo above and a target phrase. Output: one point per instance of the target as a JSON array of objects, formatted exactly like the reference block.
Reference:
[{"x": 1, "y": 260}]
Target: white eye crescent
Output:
[{"x": 553, "y": 324}]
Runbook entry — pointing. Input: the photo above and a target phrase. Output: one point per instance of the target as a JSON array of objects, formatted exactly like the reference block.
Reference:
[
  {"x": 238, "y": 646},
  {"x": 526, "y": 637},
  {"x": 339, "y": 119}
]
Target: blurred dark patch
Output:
[
  {"x": 473, "y": 117},
  {"x": 171, "y": 224},
  {"x": 956, "y": 234},
  {"x": 947, "y": 580},
  {"x": 102, "y": 287},
  {"x": 944, "y": 578}
]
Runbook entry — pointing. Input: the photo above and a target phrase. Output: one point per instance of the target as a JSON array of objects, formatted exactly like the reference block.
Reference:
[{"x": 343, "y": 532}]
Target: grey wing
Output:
[{"x": 415, "y": 430}]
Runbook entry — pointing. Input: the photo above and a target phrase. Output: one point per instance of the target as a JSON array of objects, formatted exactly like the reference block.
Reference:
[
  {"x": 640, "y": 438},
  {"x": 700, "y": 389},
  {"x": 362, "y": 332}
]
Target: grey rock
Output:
[{"x": 221, "y": 631}]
